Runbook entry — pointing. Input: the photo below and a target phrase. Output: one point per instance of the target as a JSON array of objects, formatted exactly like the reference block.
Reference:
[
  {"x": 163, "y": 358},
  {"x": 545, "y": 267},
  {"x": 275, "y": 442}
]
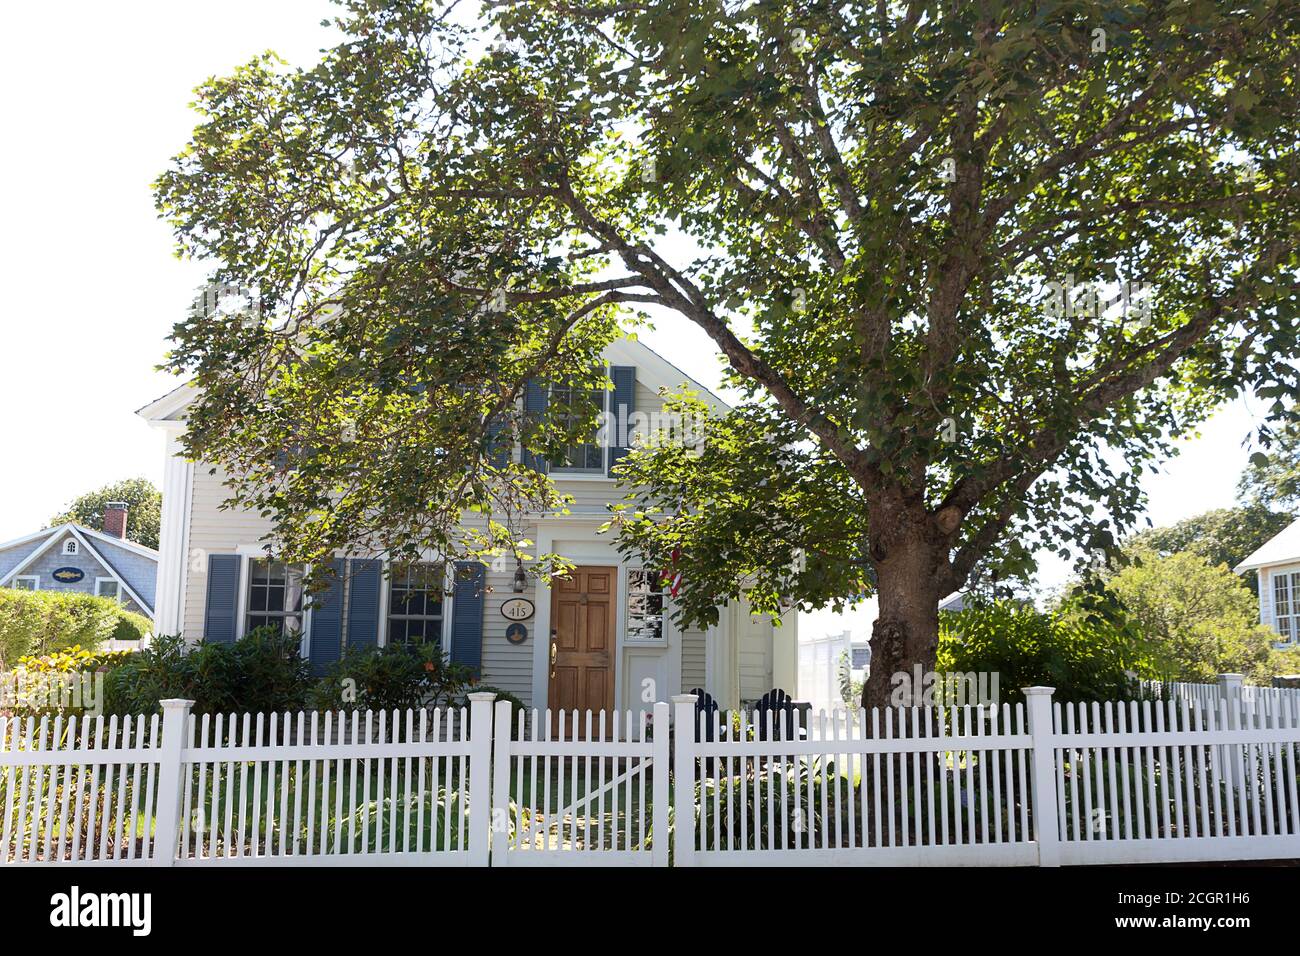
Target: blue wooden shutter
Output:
[
  {"x": 536, "y": 397},
  {"x": 223, "y": 598},
  {"x": 622, "y": 403},
  {"x": 467, "y": 615},
  {"x": 498, "y": 448},
  {"x": 327, "y": 621},
  {"x": 363, "y": 603}
]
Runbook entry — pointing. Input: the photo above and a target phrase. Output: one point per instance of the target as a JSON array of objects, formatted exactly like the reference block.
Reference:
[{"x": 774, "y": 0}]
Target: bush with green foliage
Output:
[
  {"x": 262, "y": 672},
  {"x": 1223, "y": 536},
  {"x": 396, "y": 676},
  {"x": 516, "y": 705},
  {"x": 132, "y": 627},
  {"x": 44, "y": 685},
  {"x": 1077, "y": 650},
  {"x": 1197, "y": 619},
  {"x": 35, "y": 623}
]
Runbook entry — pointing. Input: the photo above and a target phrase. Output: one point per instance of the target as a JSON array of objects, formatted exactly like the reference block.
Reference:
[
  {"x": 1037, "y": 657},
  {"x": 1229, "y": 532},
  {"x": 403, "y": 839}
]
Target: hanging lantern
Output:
[{"x": 520, "y": 583}]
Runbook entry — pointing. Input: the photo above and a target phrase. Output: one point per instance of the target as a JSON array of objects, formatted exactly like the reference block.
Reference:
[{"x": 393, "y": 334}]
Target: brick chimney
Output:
[{"x": 115, "y": 518}]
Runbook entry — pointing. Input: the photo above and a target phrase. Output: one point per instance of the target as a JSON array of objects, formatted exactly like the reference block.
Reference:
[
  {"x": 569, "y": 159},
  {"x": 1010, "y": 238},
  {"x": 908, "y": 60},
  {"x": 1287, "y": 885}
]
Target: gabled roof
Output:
[
  {"x": 85, "y": 536},
  {"x": 1282, "y": 548},
  {"x": 657, "y": 372},
  {"x": 167, "y": 406}
]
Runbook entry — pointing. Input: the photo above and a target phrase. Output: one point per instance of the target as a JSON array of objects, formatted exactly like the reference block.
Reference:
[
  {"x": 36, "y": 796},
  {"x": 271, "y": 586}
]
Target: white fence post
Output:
[
  {"x": 1044, "y": 775},
  {"x": 1230, "y": 690},
  {"x": 660, "y": 785},
  {"x": 480, "y": 777},
  {"x": 499, "y": 843},
  {"x": 176, "y": 715},
  {"x": 684, "y": 775}
]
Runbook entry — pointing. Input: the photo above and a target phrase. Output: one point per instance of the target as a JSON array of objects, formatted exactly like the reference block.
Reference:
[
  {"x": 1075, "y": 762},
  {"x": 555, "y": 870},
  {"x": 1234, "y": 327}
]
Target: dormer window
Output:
[{"x": 72, "y": 547}]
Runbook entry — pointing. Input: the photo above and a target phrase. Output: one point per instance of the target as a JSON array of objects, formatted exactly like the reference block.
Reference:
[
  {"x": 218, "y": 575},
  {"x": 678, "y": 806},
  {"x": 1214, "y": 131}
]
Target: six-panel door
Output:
[{"x": 582, "y": 641}]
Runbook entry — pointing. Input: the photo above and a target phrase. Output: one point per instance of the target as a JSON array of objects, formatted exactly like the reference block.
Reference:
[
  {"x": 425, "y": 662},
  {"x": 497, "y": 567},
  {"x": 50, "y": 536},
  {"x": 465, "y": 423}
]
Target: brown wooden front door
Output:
[{"x": 582, "y": 642}]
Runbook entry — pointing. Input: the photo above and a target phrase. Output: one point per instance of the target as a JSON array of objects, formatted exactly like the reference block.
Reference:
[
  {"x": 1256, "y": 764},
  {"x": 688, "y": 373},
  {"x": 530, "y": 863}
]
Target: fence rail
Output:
[{"x": 1192, "y": 777}]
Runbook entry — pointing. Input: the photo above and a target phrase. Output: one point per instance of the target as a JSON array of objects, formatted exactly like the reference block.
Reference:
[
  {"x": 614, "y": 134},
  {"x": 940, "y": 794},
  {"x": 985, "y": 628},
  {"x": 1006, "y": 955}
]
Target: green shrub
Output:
[
  {"x": 516, "y": 705},
  {"x": 393, "y": 677},
  {"x": 263, "y": 672},
  {"x": 132, "y": 627},
  {"x": 1079, "y": 652},
  {"x": 35, "y": 623},
  {"x": 47, "y": 686}
]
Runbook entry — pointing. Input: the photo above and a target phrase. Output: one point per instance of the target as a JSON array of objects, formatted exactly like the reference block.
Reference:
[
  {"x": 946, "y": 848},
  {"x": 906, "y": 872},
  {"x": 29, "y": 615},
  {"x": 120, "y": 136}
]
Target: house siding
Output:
[
  {"x": 507, "y": 666},
  {"x": 54, "y": 558},
  {"x": 137, "y": 570},
  {"x": 10, "y": 558},
  {"x": 212, "y": 531},
  {"x": 694, "y": 660},
  {"x": 1266, "y": 598}
]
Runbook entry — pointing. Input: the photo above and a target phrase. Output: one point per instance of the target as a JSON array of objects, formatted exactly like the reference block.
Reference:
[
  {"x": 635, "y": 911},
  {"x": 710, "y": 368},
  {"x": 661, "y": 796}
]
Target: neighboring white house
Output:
[
  {"x": 72, "y": 557},
  {"x": 602, "y": 640},
  {"x": 1278, "y": 564}
]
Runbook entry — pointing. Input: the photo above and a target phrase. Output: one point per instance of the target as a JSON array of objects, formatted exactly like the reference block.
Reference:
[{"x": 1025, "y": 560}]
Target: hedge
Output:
[{"x": 42, "y": 622}]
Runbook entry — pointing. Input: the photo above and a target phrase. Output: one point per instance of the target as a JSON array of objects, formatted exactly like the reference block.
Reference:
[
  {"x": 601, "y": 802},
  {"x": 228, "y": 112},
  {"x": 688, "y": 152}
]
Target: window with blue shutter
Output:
[
  {"x": 363, "y": 602},
  {"x": 327, "y": 621},
  {"x": 222, "y": 610},
  {"x": 467, "y": 615},
  {"x": 498, "y": 446},
  {"x": 622, "y": 404},
  {"x": 536, "y": 397}
]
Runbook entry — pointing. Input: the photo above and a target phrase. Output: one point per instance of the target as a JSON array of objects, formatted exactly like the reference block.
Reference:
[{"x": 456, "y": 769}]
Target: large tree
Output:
[
  {"x": 1222, "y": 536},
  {"x": 143, "y": 515},
  {"x": 893, "y": 220},
  {"x": 1272, "y": 478}
]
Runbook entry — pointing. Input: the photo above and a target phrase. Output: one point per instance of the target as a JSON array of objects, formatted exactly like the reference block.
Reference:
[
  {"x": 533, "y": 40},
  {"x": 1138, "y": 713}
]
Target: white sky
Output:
[{"x": 91, "y": 285}]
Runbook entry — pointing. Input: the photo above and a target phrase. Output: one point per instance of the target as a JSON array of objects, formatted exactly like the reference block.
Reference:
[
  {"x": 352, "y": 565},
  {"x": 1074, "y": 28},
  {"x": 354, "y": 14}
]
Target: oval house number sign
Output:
[{"x": 517, "y": 609}]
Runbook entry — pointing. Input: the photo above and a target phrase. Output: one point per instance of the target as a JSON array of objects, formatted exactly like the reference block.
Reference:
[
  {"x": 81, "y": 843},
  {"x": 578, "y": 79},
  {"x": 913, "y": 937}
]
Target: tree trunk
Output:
[{"x": 906, "y": 631}]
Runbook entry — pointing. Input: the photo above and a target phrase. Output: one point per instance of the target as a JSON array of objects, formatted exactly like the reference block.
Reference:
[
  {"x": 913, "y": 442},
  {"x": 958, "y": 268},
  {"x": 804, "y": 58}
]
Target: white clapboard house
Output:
[
  {"x": 1278, "y": 562},
  {"x": 600, "y": 640}
]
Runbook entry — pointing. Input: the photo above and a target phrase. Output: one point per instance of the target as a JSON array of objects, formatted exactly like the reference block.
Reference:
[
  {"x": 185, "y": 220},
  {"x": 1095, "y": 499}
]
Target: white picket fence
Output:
[
  {"x": 1230, "y": 687},
  {"x": 1190, "y": 778}
]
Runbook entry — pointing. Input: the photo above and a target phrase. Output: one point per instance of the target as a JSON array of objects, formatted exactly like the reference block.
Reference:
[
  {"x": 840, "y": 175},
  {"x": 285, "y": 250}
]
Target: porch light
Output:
[{"x": 521, "y": 579}]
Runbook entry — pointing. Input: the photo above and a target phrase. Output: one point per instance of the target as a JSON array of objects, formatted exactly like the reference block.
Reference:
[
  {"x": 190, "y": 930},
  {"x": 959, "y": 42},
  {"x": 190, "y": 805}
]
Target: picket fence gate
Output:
[{"x": 1196, "y": 777}]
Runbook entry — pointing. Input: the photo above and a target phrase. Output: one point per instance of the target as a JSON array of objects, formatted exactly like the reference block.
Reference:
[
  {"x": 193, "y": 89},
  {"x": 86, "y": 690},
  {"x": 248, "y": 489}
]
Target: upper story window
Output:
[
  {"x": 72, "y": 546},
  {"x": 1286, "y": 615},
  {"x": 572, "y": 405},
  {"x": 107, "y": 587},
  {"x": 275, "y": 595},
  {"x": 416, "y": 604},
  {"x": 27, "y": 582}
]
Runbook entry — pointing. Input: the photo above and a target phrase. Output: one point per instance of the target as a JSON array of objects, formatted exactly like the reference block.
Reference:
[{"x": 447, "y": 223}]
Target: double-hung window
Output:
[
  {"x": 416, "y": 604},
  {"x": 1286, "y": 615},
  {"x": 275, "y": 596},
  {"x": 585, "y": 455}
]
